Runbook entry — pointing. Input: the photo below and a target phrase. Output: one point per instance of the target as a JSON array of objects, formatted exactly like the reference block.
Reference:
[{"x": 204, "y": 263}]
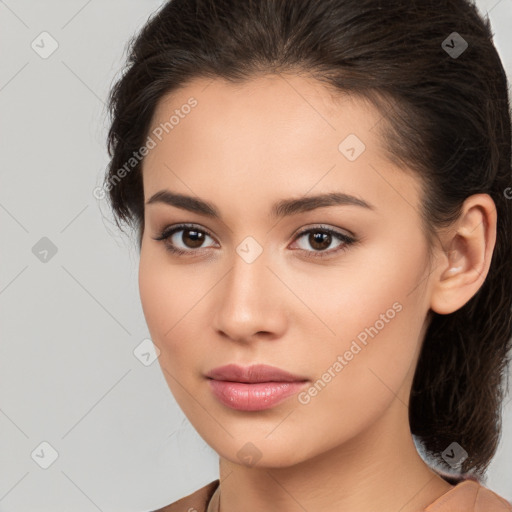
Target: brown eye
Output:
[
  {"x": 192, "y": 238},
  {"x": 183, "y": 239},
  {"x": 320, "y": 239}
]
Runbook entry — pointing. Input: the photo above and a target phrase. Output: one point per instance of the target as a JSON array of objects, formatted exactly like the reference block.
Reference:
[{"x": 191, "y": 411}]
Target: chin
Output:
[{"x": 251, "y": 451}]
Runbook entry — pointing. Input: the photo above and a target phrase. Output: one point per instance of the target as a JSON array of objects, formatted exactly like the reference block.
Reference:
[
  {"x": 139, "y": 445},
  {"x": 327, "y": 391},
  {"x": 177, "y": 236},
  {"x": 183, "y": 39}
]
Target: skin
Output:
[{"x": 242, "y": 148}]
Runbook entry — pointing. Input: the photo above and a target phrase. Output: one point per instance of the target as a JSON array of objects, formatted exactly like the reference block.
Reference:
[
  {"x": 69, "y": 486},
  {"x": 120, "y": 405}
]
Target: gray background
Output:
[{"x": 70, "y": 325}]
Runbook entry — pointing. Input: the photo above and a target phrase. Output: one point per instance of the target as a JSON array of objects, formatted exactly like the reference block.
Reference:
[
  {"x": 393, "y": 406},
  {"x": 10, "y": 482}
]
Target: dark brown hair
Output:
[{"x": 446, "y": 118}]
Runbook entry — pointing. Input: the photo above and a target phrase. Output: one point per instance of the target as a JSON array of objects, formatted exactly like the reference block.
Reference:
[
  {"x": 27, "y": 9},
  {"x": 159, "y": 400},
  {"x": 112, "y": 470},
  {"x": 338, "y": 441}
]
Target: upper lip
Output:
[{"x": 254, "y": 373}]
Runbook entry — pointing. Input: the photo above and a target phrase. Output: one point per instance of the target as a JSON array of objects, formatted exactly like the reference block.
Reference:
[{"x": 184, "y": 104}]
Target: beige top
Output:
[{"x": 466, "y": 496}]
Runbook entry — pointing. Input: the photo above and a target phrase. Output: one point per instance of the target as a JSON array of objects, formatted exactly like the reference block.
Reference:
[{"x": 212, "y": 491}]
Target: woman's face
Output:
[{"x": 346, "y": 318}]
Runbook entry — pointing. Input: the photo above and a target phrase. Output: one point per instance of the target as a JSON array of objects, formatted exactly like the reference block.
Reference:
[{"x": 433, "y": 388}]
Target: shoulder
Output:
[
  {"x": 195, "y": 502},
  {"x": 470, "y": 496},
  {"x": 488, "y": 501}
]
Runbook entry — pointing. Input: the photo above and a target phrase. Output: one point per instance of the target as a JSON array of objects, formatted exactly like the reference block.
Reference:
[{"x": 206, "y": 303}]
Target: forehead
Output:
[
  {"x": 278, "y": 102},
  {"x": 290, "y": 132}
]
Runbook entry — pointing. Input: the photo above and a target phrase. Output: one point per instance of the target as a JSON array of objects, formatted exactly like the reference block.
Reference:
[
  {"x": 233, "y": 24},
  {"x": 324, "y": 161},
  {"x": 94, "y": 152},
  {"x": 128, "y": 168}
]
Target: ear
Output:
[{"x": 467, "y": 249}]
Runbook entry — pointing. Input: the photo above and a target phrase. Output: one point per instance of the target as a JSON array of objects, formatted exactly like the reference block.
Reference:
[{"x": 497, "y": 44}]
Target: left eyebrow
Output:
[
  {"x": 283, "y": 208},
  {"x": 288, "y": 207}
]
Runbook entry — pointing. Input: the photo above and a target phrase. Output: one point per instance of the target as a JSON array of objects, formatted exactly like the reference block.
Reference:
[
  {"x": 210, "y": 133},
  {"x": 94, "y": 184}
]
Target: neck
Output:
[{"x": 380, "y": 469}]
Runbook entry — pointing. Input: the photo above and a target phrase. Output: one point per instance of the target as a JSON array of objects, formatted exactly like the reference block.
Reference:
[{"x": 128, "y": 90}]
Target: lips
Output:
[
  {"x": 253, "y": 388},
  {"x": 254, "y": 373}
]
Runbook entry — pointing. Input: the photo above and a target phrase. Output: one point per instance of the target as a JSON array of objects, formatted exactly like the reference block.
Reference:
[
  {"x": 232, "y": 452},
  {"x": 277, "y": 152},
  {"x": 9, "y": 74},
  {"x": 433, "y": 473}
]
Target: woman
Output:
[{"x": 321, "y": 193}]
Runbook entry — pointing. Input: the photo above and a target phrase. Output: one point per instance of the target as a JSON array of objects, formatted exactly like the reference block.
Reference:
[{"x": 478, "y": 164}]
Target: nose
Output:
[{"x": 251, "y": 303}]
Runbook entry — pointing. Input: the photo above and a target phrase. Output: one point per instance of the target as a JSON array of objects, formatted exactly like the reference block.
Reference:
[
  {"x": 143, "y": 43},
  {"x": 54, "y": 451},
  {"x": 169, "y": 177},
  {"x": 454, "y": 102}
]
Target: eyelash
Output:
[{"x": 168, "y": 232}]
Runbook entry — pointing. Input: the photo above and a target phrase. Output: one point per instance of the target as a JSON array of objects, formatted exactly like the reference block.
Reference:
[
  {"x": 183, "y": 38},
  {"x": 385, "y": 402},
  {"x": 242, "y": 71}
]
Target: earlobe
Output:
[{"x": 462, "y": 270}]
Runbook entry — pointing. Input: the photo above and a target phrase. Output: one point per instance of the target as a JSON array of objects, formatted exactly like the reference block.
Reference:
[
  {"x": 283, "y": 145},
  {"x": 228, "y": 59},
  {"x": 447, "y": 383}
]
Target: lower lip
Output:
[{"x": 258, "y": 396}]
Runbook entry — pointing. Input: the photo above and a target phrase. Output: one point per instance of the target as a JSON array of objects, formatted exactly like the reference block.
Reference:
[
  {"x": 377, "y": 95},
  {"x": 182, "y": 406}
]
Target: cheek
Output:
[
  {"x": 162, "y": 311},
  {"x": 156, "y": 303},
  {"x": 374, "y": 314},
  {"x": 357, "y": 380},
  {"x": 162, "y": 305},
  {"x": 381, "y": 289},
  {"x": 168, "y": 300}
]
